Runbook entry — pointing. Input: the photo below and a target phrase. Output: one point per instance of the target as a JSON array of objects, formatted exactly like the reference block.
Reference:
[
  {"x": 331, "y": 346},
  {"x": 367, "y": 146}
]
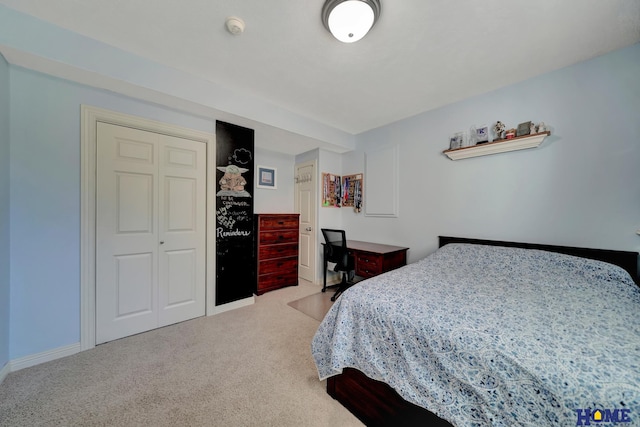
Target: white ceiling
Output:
[{"x": 421, "y": 54}]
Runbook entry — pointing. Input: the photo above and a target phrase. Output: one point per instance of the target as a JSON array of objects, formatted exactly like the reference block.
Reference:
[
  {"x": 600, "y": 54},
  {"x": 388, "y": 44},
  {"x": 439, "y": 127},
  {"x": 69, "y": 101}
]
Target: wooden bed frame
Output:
[{"x": 377, "y": 404}]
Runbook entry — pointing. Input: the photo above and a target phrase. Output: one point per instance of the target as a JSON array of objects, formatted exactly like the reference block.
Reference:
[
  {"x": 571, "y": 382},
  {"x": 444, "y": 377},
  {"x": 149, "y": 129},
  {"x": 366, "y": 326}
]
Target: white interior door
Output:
[
  {"x": 182, "y": 234},
  {"x": 150, "y": 237},
  {"x": 305, "y": 201}
]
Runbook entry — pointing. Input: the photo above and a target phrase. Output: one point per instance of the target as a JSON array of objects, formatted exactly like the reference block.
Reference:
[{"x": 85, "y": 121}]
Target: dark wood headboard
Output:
[{"x": 625, "y": 259}]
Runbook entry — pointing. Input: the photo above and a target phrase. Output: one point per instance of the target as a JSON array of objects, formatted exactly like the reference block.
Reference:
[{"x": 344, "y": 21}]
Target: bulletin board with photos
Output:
[
  {"x": 342, "y": 191},
  {"x": 352, "y": 191},
  {"x": 331, "y": 190}
]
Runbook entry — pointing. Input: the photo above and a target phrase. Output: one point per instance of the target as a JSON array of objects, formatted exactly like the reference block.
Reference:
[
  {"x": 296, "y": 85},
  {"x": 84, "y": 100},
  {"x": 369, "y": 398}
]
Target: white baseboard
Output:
[
  {"x": 45, "y": 356},
  {"x": 232, "y": 305},
  {"x": 5, "y": 371}
]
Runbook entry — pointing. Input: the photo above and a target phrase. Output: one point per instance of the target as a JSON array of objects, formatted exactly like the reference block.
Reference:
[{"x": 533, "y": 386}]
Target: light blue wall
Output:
[
  {"x": 105, "y": 64},
  {"x": 45, "y": 202},
  {"x": 4, "y": 212},
  {"x": 581, "y": 187},
  {"x": 279, "y": 200}
]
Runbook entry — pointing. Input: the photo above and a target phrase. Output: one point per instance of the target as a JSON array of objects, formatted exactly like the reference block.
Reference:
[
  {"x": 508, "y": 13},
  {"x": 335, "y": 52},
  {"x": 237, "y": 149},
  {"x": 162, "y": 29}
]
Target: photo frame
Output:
[
  {"x": 266, "y": 177},
  {"x": 524, "y": 129},
  {"x": 455, "y": 142},
  {"x": 482, "y": 134}
]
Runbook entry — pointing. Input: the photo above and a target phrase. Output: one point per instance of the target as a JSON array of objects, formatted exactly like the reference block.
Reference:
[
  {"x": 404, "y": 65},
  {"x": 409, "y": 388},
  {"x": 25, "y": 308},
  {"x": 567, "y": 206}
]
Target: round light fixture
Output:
[
  {"x": 350, "y": 20},
  {"x": 235, "y": 25}
]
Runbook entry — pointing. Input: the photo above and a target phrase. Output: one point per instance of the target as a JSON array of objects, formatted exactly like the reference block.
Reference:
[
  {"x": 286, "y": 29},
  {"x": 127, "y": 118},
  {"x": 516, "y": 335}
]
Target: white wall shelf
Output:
[{"x": 500, "y": 146}]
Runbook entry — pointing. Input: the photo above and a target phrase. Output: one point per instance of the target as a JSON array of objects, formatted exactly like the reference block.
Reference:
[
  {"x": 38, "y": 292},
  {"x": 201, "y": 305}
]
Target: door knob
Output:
[
  {"x": 162, "y": 242},
  {"x": 308, "y": 228}
]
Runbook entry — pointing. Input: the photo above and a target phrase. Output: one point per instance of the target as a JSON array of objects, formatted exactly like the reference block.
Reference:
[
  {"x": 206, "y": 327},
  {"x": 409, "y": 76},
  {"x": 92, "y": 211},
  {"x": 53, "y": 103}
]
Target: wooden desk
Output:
[{"x": 372, "y": 259}]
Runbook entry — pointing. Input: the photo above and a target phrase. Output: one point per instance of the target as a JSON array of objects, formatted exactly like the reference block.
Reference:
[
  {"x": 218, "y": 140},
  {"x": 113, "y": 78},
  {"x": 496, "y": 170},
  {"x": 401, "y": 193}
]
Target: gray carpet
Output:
[{"x": 247, "y": 367}]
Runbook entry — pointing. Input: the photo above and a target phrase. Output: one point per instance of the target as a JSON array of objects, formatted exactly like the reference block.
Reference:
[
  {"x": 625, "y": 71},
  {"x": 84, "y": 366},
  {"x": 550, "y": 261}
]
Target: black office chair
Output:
[{"x": 335, "y": 250}]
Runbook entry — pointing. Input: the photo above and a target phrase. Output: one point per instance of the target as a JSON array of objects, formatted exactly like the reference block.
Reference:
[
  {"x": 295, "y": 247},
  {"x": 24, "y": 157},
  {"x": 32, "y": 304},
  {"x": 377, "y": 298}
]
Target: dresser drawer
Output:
[
  {"x": 277, "y": 222},
  {"x": 277, "y": 251},
  {"x": 268, "y": 282},
  {"x": 278, "y": 265},
  {"x": 368, "y": 265},
  {"x": 277, "y": 236}
]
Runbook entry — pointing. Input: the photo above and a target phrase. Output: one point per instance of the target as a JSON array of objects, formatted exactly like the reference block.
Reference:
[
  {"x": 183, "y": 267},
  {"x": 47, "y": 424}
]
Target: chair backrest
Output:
[{"x": 335, "y": 247}]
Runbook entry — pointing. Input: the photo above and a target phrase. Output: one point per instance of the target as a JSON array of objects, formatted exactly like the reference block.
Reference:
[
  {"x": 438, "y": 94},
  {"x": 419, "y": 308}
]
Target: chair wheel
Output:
[
  {"x": 324, "y": 290},
  {"x": 333, "y": 298}
]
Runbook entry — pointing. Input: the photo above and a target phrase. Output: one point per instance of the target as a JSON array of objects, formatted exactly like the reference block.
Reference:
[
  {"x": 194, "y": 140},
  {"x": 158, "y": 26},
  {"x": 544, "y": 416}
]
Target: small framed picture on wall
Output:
[{"x": 267, "y": 177}]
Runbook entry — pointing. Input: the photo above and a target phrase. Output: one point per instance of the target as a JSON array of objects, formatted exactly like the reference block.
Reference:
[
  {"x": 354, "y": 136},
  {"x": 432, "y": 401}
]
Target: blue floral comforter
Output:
[{"x": 494, "y": 336}]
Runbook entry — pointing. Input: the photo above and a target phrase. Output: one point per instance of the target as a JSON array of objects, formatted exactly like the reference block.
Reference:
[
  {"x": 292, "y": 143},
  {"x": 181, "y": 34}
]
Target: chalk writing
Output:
[{"x": 220, "y": 232}]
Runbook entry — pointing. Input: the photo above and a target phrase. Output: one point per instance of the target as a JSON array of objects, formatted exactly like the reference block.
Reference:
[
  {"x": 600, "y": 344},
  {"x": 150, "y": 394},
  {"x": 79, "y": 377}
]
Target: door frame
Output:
[{"x": 90, "y": 116}]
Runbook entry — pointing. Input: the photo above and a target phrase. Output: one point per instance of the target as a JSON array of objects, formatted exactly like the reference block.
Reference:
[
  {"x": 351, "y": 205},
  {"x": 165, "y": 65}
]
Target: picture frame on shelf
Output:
[
  {"x": 267, "y": 177},
  {"x": 457, "y": 141},
  {"x": 463, "y": 140},
  {"x": 454, "y": 142},
  {"x": 473, "y": 136},
  {"x": 482, "y": 134},
  {"x": 524, "y": 129}
]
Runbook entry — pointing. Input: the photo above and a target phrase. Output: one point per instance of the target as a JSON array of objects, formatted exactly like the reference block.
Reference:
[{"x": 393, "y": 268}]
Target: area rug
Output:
[{"x": 314, "y": 305}]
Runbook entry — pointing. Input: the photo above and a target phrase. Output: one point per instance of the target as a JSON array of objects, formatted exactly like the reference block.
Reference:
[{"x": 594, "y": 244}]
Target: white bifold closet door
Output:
[{"x": 150, "y": 231}]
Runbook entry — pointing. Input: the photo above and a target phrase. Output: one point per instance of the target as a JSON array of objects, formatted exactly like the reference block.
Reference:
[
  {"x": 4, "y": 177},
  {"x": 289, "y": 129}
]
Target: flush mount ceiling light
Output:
[
  {"x": 235, "y": 25},
  {"x": 350, "y": 20}
]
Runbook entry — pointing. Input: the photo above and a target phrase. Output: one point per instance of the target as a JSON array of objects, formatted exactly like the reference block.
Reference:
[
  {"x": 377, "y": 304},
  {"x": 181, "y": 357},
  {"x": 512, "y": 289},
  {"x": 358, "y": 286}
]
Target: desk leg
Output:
[{"x": 324, "y": 260}]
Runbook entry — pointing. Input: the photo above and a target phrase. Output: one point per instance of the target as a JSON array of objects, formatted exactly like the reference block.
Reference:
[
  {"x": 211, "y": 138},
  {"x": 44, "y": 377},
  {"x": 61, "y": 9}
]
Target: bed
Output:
[{"x": 488, "y": 333}]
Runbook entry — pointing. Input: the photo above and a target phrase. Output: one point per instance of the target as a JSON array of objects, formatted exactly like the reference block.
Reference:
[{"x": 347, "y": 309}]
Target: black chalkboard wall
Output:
[{"x": 235, "y": 263}]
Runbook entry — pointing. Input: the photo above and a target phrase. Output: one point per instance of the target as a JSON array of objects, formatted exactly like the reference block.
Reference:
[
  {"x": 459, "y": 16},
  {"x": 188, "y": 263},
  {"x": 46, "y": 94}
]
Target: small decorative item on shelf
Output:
[
  {"x": 542, "y": 127},
  {"x": 462, "y": 137},
  {"x": 524, "y": 129},
  {"x": 454, "y": 143},
  {"x": 482, "y": 134},
  {"x": 473, "y": 136},
  {"x": 532, "y": 128},
  {"x": 498, "y": 128},
  {"x": 510, "y": 134}
]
